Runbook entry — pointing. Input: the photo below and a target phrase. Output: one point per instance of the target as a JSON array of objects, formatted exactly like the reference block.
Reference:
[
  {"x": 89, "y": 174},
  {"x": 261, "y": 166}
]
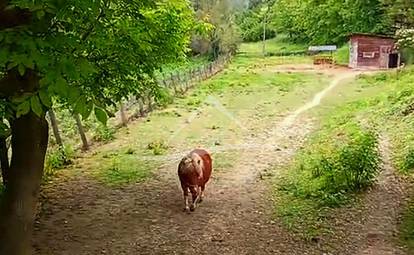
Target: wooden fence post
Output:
[
  {"x": 149, "y": 103},
  {"x": 55, "y": 128},
  {"x": 141, "y": 107},
  {"x": 124, "y": 120},
  {"x": 85, "y": 145}
]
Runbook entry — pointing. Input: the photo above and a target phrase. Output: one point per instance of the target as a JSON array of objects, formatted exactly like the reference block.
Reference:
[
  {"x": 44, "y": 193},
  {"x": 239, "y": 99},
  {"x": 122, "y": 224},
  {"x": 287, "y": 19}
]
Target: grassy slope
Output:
[
  {"x": 376, "y": 102},
  {"x": 275, "y": 45}
]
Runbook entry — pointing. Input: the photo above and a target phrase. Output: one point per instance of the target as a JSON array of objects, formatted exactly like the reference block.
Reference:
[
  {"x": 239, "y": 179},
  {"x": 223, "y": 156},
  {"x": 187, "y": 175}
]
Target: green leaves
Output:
[
  {"x": 23, "y": 108},
  {"x": 83, "y": 107},
  {"x": 101, "y": 115},
  {"x": 36, "y": 105},
  {"x": 45, "y": 98},
  {"x": 21, "y": 69},
  {"x": 4, "y": 130},
  {"x": 33, "y": 103},
  {"x": 93, "y": 53}
]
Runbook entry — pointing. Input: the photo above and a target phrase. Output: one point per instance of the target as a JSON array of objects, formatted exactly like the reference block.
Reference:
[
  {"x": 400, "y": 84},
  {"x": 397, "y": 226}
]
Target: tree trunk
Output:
[
  {"x": 4, "y": 160},
  {"x": 55, "y": 127},
  {"x": 29, "y": 145},
  {"x": 85, "y": 145}
]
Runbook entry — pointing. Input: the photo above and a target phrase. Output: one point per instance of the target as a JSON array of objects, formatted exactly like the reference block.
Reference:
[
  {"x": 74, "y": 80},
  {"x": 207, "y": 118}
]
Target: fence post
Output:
[
  {"x": 150, "y": 106},
  {"x": 141, "y": 107},
  {"x": 55, "y": 127},
  {"x": 124, "y": 120},
  {"x": 85, "y": 145},
  {"x": 172, "y": 81}
]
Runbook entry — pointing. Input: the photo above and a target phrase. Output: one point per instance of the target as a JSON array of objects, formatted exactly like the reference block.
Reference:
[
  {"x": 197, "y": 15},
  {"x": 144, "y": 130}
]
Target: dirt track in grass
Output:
[{"x": 81, "y": 216}]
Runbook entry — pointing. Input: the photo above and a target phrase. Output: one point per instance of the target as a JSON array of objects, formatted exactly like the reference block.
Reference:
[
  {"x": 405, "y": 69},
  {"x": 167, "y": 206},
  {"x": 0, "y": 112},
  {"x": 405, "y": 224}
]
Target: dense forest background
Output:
[{"x": 301, "y": 21}]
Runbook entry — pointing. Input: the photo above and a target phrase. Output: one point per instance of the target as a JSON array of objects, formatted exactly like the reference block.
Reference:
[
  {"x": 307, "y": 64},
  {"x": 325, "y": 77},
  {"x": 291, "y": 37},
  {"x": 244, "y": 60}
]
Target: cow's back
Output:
[{"x": 207, "y": 162}]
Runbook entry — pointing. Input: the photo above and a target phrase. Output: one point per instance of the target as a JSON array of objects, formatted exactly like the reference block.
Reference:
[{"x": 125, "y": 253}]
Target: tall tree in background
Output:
[
  {"x": 88, "y": 54},
  {"x": 400, "y": 12},
  {"x": 225, "y": 35},
  {"x": 331, "y": 21},
  {"x": 252, "y": 19}
]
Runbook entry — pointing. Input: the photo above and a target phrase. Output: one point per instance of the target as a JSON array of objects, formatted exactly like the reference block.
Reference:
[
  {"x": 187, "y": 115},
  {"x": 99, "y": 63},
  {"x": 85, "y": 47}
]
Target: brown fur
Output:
[{"x": 194, "y": 172}]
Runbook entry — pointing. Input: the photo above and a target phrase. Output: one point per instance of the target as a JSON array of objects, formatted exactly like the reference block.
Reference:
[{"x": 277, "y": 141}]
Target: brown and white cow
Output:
[{"x": 194, "y": 172}]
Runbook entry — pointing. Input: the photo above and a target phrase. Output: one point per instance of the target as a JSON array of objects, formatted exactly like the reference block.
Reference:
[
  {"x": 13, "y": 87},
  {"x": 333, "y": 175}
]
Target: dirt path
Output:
[{"x": 83, "y": 217}]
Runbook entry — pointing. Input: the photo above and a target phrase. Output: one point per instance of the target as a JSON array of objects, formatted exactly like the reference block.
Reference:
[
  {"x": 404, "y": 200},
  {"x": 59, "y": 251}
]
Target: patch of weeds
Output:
[
  {"x": 130, "y": 151},
  {"x": 224, "y": 161},
  {"x": 408, "y": 163},
  {"x": 124, "y": 169},
  {"x": 56, "y": 159},
  {"x": 164, "y": 98},
  {"x": 193, "y": 101},
  {"x": 407, "y": 227},
  {"x": 59, "y": 157},
  {"x": 110, "y": 154},
  {"x": 169, "y": 113},
  {"x": 103, "y": 133},
  {"x": 302, "y": 217},
  {"x": 158, "y": 147}
]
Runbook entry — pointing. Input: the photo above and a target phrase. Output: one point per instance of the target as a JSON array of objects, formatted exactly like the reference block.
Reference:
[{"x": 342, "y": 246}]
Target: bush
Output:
[
  {"x": 344, "y": 161},
  {"x": 56, "y": 159}
]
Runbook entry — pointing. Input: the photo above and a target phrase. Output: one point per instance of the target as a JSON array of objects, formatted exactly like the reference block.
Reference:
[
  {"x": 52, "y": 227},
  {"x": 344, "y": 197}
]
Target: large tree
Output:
[
  {"x": 88, "y": 54},
  {"x": 331, "y": 21},
  {"x": 400, "y": 12},
  {"x": 225, "y": 35}
]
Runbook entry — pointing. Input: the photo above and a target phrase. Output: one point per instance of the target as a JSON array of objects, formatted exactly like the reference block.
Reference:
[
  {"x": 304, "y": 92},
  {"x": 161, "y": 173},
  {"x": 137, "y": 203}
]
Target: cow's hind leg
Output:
[
  {"x": 196, "y": 196},
  {"x": 201, "y": 193},
  {"x": 185, "y": 192}
]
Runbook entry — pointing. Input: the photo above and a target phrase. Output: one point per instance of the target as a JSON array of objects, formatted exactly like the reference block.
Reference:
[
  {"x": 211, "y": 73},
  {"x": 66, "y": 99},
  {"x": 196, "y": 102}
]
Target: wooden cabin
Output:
[{"x": 373, "y": 51}]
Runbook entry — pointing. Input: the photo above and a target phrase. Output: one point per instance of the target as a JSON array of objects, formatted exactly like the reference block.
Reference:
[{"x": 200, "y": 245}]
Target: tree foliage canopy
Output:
[
  {"x": 323, "y": 22},
  {"x": 89, "y": 54}
]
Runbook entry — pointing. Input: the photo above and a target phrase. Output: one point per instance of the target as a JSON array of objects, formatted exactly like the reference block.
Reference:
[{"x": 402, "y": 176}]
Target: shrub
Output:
[
  {"x": 344, "y": 161},
  {"x": 56, "y": 159}
]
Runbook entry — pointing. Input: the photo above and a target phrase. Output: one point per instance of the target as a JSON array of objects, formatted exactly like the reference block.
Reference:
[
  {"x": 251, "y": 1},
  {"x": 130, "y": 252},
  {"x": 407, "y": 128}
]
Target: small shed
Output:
[{"x": 373, "y": 51}]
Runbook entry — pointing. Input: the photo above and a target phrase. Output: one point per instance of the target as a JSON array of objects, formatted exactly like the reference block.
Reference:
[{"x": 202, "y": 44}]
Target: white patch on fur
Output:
[{"x": 198, "y": 164}]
